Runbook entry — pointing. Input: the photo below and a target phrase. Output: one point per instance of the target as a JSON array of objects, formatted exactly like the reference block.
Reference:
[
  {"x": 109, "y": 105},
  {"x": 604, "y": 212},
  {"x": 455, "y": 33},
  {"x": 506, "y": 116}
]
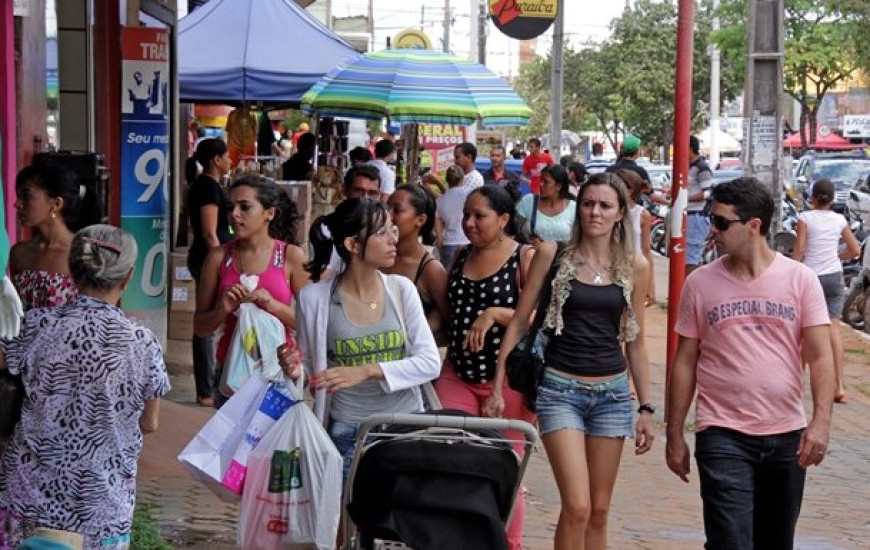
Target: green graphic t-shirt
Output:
[{"x": 352, "y": 345}]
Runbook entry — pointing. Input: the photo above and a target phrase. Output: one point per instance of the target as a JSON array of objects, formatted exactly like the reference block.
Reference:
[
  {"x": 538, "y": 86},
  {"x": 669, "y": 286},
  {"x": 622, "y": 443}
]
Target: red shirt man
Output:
[{"x": 534, "y": 163}]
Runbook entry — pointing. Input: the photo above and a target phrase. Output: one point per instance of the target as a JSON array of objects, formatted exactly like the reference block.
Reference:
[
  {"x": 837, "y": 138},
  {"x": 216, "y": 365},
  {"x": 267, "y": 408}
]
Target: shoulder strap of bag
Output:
[
  {"x": 396, "y": 295},
  {"x": 521, "y": 271},
  {"x": 546, "y": 291},
  {"x": 533, "y": 218}
]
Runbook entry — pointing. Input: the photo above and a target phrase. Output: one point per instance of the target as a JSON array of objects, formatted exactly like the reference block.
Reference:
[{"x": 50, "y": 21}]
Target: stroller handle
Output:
[{"x": 448, "y": 421}]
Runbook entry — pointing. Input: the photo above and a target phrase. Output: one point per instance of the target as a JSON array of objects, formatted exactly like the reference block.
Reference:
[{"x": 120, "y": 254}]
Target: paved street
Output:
[{"x": 652, "y": 508}]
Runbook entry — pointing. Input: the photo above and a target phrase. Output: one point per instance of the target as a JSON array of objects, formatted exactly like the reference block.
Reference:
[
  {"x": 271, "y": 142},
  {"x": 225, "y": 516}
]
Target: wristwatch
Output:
[{"x": 646, "y": 407}]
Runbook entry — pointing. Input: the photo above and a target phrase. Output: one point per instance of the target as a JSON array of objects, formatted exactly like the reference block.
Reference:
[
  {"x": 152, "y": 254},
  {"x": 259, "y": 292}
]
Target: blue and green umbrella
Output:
[{"x": 416, "y": 86}]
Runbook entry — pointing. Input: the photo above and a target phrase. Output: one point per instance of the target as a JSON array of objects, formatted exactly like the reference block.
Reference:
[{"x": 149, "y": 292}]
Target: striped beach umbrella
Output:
[{"x": 416, "y": 86}]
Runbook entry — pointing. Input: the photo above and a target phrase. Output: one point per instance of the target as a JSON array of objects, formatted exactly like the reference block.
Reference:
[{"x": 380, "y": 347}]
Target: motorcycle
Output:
[
  {"x": 853, "y": 267},
  {"x": 785, "y": 239},
  {"x": 658, "y": 233},
  {"x": 856, "y": 308}
]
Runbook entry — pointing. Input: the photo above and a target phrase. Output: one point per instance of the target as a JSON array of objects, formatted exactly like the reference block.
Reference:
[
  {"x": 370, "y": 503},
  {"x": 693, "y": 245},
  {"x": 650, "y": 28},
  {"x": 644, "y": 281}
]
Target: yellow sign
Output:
[{"x": 412, "y": 39}]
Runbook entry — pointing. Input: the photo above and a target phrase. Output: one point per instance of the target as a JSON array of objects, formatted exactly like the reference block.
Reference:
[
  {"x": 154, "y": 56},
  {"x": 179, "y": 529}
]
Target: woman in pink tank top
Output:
[{"x": 262, "y": 217}]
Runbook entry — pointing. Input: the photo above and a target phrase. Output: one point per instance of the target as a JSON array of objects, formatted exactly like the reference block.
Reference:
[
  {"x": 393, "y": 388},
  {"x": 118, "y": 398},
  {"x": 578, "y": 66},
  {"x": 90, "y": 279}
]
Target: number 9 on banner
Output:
[{"x": 151, "y": 179}]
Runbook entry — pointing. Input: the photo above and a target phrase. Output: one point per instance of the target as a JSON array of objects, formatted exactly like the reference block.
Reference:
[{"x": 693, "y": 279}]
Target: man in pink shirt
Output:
[
  {"x": 744, "y": 321},
  {"x": 534, "y": 163}
]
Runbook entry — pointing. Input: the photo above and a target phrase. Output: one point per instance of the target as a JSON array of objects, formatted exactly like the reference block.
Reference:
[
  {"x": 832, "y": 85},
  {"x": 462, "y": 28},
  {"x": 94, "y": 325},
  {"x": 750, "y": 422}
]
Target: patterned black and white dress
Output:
[{"x": 71, "y": 463}]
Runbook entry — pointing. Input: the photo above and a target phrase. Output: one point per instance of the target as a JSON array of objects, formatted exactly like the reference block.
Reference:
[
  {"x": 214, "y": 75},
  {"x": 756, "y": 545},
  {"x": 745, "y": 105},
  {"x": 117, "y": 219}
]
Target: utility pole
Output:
[
  {"x": 556, "y": 78},
  {"x": 473, "y": 30},
  {"x": 762, "y": 107},
  {"x": 715, "y": 64},
  {"x": 481, "y": 32},
  {"x": 371, "y": 25},
  {"x": 448, "y": 16},
  {"x": 328, "y": 8},
  {"x": 679, "y": 189},
  {"x": 422, "y": 17}
]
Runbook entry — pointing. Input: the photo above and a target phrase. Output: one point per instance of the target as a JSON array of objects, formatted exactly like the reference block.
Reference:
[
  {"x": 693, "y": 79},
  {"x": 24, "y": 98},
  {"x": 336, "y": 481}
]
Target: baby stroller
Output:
[{"x": 433, "y": 480}]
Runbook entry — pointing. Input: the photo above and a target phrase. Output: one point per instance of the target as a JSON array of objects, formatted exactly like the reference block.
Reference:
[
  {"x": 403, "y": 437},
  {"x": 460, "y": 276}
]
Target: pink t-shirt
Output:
[{"x": 749, "y": 374}]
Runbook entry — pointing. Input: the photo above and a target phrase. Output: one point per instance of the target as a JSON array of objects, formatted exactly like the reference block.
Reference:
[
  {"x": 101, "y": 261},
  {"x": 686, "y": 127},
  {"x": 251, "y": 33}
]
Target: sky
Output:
[{"x": 585, "y": 20}]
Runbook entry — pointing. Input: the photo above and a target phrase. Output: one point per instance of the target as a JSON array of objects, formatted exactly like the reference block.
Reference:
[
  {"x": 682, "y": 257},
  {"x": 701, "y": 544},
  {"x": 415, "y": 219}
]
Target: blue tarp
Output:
[{"x": 254, "y": 50}]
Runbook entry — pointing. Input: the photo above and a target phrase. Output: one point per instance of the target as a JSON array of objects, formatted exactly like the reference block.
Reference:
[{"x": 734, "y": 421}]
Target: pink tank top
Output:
[{"x": 273, "y": 280}]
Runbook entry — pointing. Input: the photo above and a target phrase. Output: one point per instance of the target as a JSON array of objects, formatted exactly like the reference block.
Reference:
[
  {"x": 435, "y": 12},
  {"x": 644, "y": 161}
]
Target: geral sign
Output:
[{"x": 856, "y": 126}]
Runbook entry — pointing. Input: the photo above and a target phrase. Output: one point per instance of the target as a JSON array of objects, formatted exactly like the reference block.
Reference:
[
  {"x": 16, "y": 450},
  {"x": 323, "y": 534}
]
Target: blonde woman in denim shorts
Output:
[{"x": 584, "y": 404}]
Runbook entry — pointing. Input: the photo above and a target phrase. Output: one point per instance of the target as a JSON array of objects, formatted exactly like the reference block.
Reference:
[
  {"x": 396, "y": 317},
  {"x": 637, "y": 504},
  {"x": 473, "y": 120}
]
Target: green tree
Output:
[
  {"x": 626, "y": 83},
  {"x": 647, "y": 38},
  {"x": 823, "y": 39}
]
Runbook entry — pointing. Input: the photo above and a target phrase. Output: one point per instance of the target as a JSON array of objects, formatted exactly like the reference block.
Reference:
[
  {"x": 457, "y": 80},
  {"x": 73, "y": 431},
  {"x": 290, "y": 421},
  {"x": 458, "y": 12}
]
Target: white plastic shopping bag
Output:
[
  {"x": 274, "y": 404},
  {"x": 292, "y": 496},
  {"x": 208, "y": 456},
  {"x": 254, "y": 344}
]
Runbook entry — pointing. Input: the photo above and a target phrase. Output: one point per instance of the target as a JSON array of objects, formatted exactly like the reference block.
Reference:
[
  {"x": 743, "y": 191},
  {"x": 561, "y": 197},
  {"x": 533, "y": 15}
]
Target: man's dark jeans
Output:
[{"x": 752, "y": 487}]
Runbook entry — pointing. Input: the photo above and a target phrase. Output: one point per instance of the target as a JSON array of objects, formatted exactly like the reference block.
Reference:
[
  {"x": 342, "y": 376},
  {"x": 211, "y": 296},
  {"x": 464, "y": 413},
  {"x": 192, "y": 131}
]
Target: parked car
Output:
[
  {"x": 844, "y": 169},
  {"x": 730, "y": 163},
  {"x": 858, "y": 202},
  {"x": 720, "y": 176}
]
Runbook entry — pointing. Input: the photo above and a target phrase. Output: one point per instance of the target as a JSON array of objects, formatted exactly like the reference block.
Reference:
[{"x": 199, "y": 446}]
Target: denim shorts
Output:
[
  {"x": 602, "y": 409},
  {"x": 834, "y": 287}
]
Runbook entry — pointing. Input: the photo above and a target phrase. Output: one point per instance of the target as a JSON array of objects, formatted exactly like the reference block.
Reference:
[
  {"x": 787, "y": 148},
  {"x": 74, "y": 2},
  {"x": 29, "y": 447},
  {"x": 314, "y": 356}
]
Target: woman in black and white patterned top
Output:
[
  {"x": 93, "y": 379},
  {"x": 483, "y": 290}
]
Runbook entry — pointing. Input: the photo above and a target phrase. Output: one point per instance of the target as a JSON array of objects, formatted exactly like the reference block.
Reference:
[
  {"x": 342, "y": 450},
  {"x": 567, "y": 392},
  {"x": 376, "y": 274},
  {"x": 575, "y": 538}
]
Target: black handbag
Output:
[
  {"x": 11, "y": 401},
  {"x": 525, "y": 363}
]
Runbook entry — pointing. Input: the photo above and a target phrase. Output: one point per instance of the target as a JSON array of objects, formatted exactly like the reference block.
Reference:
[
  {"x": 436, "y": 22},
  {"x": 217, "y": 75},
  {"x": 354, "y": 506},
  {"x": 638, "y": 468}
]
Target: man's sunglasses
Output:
[{"x": 722, "y": 223}]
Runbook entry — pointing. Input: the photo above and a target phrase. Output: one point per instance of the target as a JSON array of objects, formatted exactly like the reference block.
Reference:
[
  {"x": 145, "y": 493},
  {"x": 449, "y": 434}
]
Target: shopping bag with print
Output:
[
  {"x": 292, "y": 496},
  {"x": 254, "y": 344},
  {"x": 209, "y": 454},
  {"x": 275, "y": 403}
]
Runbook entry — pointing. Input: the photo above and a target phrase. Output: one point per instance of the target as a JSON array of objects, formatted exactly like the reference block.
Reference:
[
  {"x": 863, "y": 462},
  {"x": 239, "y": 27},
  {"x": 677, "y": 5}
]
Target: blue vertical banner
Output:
[{"x": 144, "y": 162}]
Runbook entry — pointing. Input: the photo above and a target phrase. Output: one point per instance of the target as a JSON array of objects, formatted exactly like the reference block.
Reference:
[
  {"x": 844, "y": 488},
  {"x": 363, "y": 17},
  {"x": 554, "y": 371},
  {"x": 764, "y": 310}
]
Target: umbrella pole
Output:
[{"x": 414, "y": 155}]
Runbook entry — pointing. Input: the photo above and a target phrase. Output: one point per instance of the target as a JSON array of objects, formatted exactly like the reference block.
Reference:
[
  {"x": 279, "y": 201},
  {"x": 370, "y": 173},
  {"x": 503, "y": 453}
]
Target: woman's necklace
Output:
[
  {"x": 373, "y": 304},
  {"x": 598, "y": 277}
]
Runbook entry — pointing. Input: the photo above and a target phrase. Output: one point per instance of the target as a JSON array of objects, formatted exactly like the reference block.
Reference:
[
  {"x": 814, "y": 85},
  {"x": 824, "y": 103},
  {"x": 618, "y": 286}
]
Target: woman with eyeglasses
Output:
[
  {"x": 483, "y": 289},
  {"x": 584, "y": 404},
  {"x": 261, "y": 215},
  {"x": 818, "y": 246},
  {"x": 362, "y": 334}
]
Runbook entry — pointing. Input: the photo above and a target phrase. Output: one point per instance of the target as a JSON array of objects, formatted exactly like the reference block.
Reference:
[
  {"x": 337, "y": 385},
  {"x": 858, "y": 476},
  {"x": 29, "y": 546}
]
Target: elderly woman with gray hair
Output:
[{"x": 93, "y": 380}]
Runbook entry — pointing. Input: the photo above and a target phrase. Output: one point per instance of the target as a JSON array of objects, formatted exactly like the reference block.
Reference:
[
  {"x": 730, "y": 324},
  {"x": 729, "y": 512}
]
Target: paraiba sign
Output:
[{"x": 522, "y": 19}]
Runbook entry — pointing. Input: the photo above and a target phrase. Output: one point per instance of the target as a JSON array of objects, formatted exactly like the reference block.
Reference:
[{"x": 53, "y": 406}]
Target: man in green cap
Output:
[{"x": 627, "y": 156}]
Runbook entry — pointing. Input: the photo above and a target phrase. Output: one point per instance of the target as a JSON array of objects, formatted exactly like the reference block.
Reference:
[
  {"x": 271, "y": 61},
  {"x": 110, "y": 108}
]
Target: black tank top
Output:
[
  {"x": 468, "y": 298},
  {"x": 589, "y": 343}
]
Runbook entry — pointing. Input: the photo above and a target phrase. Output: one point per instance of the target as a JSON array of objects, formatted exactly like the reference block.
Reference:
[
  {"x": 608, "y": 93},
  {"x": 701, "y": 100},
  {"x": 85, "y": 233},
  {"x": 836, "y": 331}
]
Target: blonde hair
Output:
[
  {"x": 454, "y": 175},
  {"x": 621, "y": 239}
]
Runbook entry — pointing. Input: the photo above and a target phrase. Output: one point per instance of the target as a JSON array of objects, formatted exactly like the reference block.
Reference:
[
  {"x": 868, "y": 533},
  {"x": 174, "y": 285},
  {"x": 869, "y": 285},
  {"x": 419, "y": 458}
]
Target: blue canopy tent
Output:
[{"x": 269, "y": 51}]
